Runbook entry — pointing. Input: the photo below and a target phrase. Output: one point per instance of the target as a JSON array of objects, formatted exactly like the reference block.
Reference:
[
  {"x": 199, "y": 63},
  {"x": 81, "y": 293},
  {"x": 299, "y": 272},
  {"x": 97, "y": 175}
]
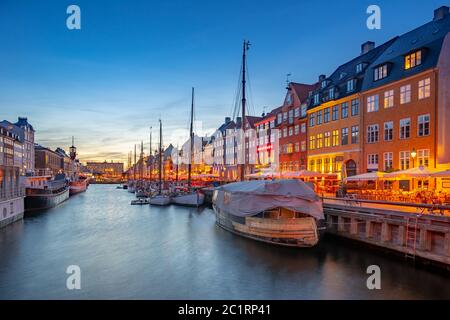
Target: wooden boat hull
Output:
[
  {"x": 191, "y": 200},
  {"x": 45, "y": 201},
  {"x": 77, "y": 187},
  {"x": 160, "y": 201},
  {"x": 298, "y": 232}
]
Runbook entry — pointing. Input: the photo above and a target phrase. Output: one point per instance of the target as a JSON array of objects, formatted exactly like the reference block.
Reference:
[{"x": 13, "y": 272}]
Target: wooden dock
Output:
[{"x": 420, "y": 234}]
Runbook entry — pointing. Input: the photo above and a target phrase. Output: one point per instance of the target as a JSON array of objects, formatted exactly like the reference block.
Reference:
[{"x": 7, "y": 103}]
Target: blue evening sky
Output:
[{"x": 135, "y": 61}]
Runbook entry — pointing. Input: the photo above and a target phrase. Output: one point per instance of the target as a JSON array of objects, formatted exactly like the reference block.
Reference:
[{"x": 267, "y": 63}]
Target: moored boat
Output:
[
  {"x": 78, "y": 186},
  {"x": 42, "y": 192},
  {"x": 160, "y": 200},
  {"x": 191, "y": 199},
  {"x": 283, "y": 212},
  {"x": 140, "y": 201}
]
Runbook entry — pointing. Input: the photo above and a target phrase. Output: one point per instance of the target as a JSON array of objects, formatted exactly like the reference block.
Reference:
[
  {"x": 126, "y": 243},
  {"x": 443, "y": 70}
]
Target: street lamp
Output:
[{"x": 413, "y": 155}]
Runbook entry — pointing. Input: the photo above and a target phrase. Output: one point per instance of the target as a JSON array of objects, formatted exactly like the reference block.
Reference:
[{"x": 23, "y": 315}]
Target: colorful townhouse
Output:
[{"x": 406, "y": 98}]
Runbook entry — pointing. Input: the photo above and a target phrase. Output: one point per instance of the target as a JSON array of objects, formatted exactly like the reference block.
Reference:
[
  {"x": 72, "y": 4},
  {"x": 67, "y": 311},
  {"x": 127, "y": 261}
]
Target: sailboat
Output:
[
  {"x": 192, "y": 198},
  {"x": 160, "y": 199}
]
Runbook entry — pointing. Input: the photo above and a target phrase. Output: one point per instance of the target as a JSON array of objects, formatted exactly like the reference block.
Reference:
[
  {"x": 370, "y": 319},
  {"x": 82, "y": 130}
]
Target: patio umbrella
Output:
[
  {"x": 369, "y": 176},
  {"x": 418, "y": 172},
  {"x": 441, "y": 174}
]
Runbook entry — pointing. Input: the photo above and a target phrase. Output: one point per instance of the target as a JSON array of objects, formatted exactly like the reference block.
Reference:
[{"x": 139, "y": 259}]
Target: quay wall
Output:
[
  {"x": 426, "y": 236},
  {"x": 11, "y": 210}
]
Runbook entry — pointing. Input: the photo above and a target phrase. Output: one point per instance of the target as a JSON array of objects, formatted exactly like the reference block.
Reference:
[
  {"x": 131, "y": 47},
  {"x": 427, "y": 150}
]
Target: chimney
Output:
[
  {"x": 367, "y": 46},
  {"x": 322, "y": 77},
  {"x": 227, "y": 120},
  {"x": 440, "y": 13}
]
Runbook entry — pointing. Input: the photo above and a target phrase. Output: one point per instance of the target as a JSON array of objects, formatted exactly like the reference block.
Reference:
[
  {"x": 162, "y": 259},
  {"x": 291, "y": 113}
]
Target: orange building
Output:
[
  {"x": 407, "y": 102},
  {"x": 334, "y": 122}
]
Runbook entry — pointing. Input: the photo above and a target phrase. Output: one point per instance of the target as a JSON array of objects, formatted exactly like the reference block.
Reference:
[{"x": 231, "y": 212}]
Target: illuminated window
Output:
[
  {"x": 388, "y": 131},
  {"x": 404, "y": 160},
  {"x": 413, "y": 59},
  {"x": 372, "y": 133},
  {"x": 389, "y": 99},
  {"x": 405, "y": 94},
  {"x": 423, "y": 125},
  {"x": 424, "y": 88},
  {"x": 319, "y": 143},
  {"x": 372, "y": 103},
  {"x": 405, "y": 128},
  {"x": 380, "y": 72},
  {"x": 303, "y": 146},
  {"x": 327, "y": 139},
  {"x": 423, "y": 157},
  {"x": 312, "y": 165},
  {"x": 297, "y": 147},
  {"x": 319, "y": 165},
  {"x": 312, "y": 142},
  {"x": 335, "y": 138}
]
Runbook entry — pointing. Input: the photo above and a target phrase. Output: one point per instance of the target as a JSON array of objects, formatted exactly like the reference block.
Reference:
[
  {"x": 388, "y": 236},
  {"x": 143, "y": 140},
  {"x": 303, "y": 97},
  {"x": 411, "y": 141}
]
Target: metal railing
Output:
[{"x": 11, "y": 193}]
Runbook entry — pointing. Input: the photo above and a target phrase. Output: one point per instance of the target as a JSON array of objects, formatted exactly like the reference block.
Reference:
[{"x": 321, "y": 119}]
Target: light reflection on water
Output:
[{"x": 142, "y": 252}]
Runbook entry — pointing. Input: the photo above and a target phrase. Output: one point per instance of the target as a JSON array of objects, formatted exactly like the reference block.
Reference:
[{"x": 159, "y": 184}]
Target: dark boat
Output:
[{"x": 44, "y": 193}]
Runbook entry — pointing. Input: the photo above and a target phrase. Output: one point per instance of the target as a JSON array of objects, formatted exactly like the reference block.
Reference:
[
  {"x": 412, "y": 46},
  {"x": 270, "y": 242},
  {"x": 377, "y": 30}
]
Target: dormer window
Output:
[
  {"x": 289, "y": 99},
  {"x": 380, "y": 72},
  {"x": 324, "y": 83},
  {"x": 359, "y": 67},
  {"x": 350, "y": 85},
  {"x": 316, "y": 98},
  {"x": 331, "y": 93},
  {"x": 413, "y": 59}
]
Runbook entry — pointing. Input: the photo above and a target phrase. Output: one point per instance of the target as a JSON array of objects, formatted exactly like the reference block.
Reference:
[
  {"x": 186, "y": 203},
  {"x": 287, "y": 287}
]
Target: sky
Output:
[{"x": 134, "y": 62}]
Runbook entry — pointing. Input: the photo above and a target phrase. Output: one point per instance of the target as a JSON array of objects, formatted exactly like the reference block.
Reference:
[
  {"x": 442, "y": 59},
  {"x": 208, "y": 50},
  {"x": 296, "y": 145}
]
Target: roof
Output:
[
  {"x": 429, "y": 36},
  {"x": 22, "y": 122},
  {"x": 302, "y": 90},
  {"x": 347, "y": 71}
]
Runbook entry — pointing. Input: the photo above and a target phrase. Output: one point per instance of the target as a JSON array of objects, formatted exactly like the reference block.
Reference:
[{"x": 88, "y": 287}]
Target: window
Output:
[
  {"x": 404, "y": 160},
  {"x": 372, "y": 133},
  {"x": 291, "y": 131},
  {"x": 331, "y": 93},
  {"x": 319, "y": 117},
  {"x": 405, "y": 128},
  {"x": 285, "y": 116},
  {"x": 423, "y": 125},
  {"x": 319, "y": 143},
  {"x": 326, "y": 115},
  {"x": 319, "y": 165},
  {"x": 335, "y": 138},
  {"x": 296, "y": 129},
  {"x": 303, "y": 146},
  {"x": 344, "y": 110},
  {"x": 297, "y": 147},
  {"x": 324, "y": 83},
  {"x": 280, "y": 118},
  {"x": 424, "y": 88},
  {"x": 372, "y": 103},
  {"x": 423, "y": 157},
  {"x": 327, "y": 140},
  {"x": 316, "y": 98},
  {"x": 335, "y": 113},
  {"x": 405, "y": 94},
  {"x": 284, "y": 132},
  {"x": 355, "y": 134},
  {"x": 344, "y": 136},
  {"x": 388, "y": 99},
  {"x": 355, "y": 107},
  {"x": 388, "y": 131},
  {"x": 350, "y": 85},
  {"x": 297, "y": 112},
  {"x": 303, "y": 111},
  {"x": 303, "y": 128},
  {"x": 359, "y": 67},
  {"x": 312, "y": 165},
  {"x": 372, "y": 159},
  {"x": 413, "y": 59},
  {"x": 312, "y": 117},
  {"x": 380, "y": 72},
  {"x": 289, "y": 148},
  {"x": 312, "y": 142},
  {"x": 272, "y": 124},
  {"x": 388, "y": 158}
]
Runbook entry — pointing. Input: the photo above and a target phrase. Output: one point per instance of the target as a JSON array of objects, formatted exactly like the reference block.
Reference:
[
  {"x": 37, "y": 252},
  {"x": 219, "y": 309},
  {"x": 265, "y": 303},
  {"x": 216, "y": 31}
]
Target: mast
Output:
[
  {"x": 160, "y": 157},
  {"x": 178, "y": 152},
  {"x": 135, "y": 164},
  {"x": 191, "y": 135},
  {"x": 141, "y": 160},
  {"x": 150, "y": 155},
  {"x": 246, "y": 46}
]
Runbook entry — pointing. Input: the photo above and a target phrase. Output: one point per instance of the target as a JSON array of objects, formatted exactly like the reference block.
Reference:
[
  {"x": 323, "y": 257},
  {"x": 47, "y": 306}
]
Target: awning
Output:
[
  {"x": 441, "y": 174},
  {"x": 369, "y": 176},
  {"x": 418, "y": 172}
]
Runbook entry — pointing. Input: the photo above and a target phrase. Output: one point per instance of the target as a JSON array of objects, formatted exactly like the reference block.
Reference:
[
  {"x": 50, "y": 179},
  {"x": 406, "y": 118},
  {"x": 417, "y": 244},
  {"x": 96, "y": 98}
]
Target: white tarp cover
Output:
[{"x": 252, "y": 197}]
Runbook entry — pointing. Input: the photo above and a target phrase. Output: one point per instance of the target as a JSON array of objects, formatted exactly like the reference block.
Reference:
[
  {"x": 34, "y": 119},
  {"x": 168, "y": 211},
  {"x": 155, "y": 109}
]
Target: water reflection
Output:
[{"x": 179, "y": 253}]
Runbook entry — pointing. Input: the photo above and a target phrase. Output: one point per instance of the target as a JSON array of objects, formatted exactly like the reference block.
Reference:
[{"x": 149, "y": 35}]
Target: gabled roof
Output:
[
  {"x": 302, "y": 90},
  {"x": 429, "y": 37}
]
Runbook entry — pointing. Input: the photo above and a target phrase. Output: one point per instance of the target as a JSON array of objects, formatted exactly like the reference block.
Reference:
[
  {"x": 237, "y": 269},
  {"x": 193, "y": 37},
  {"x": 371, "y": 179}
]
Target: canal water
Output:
[{"x": 143, "y": 252}]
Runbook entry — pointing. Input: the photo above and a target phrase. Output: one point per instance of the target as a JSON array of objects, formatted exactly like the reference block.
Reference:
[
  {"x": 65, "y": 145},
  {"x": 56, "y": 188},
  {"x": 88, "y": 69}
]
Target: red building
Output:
[{"x": 291, "y": 123}]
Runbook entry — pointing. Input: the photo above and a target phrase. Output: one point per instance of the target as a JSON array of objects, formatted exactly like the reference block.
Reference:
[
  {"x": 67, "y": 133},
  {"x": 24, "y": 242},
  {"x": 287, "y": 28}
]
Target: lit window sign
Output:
[{"x": 267, "y": 147}]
